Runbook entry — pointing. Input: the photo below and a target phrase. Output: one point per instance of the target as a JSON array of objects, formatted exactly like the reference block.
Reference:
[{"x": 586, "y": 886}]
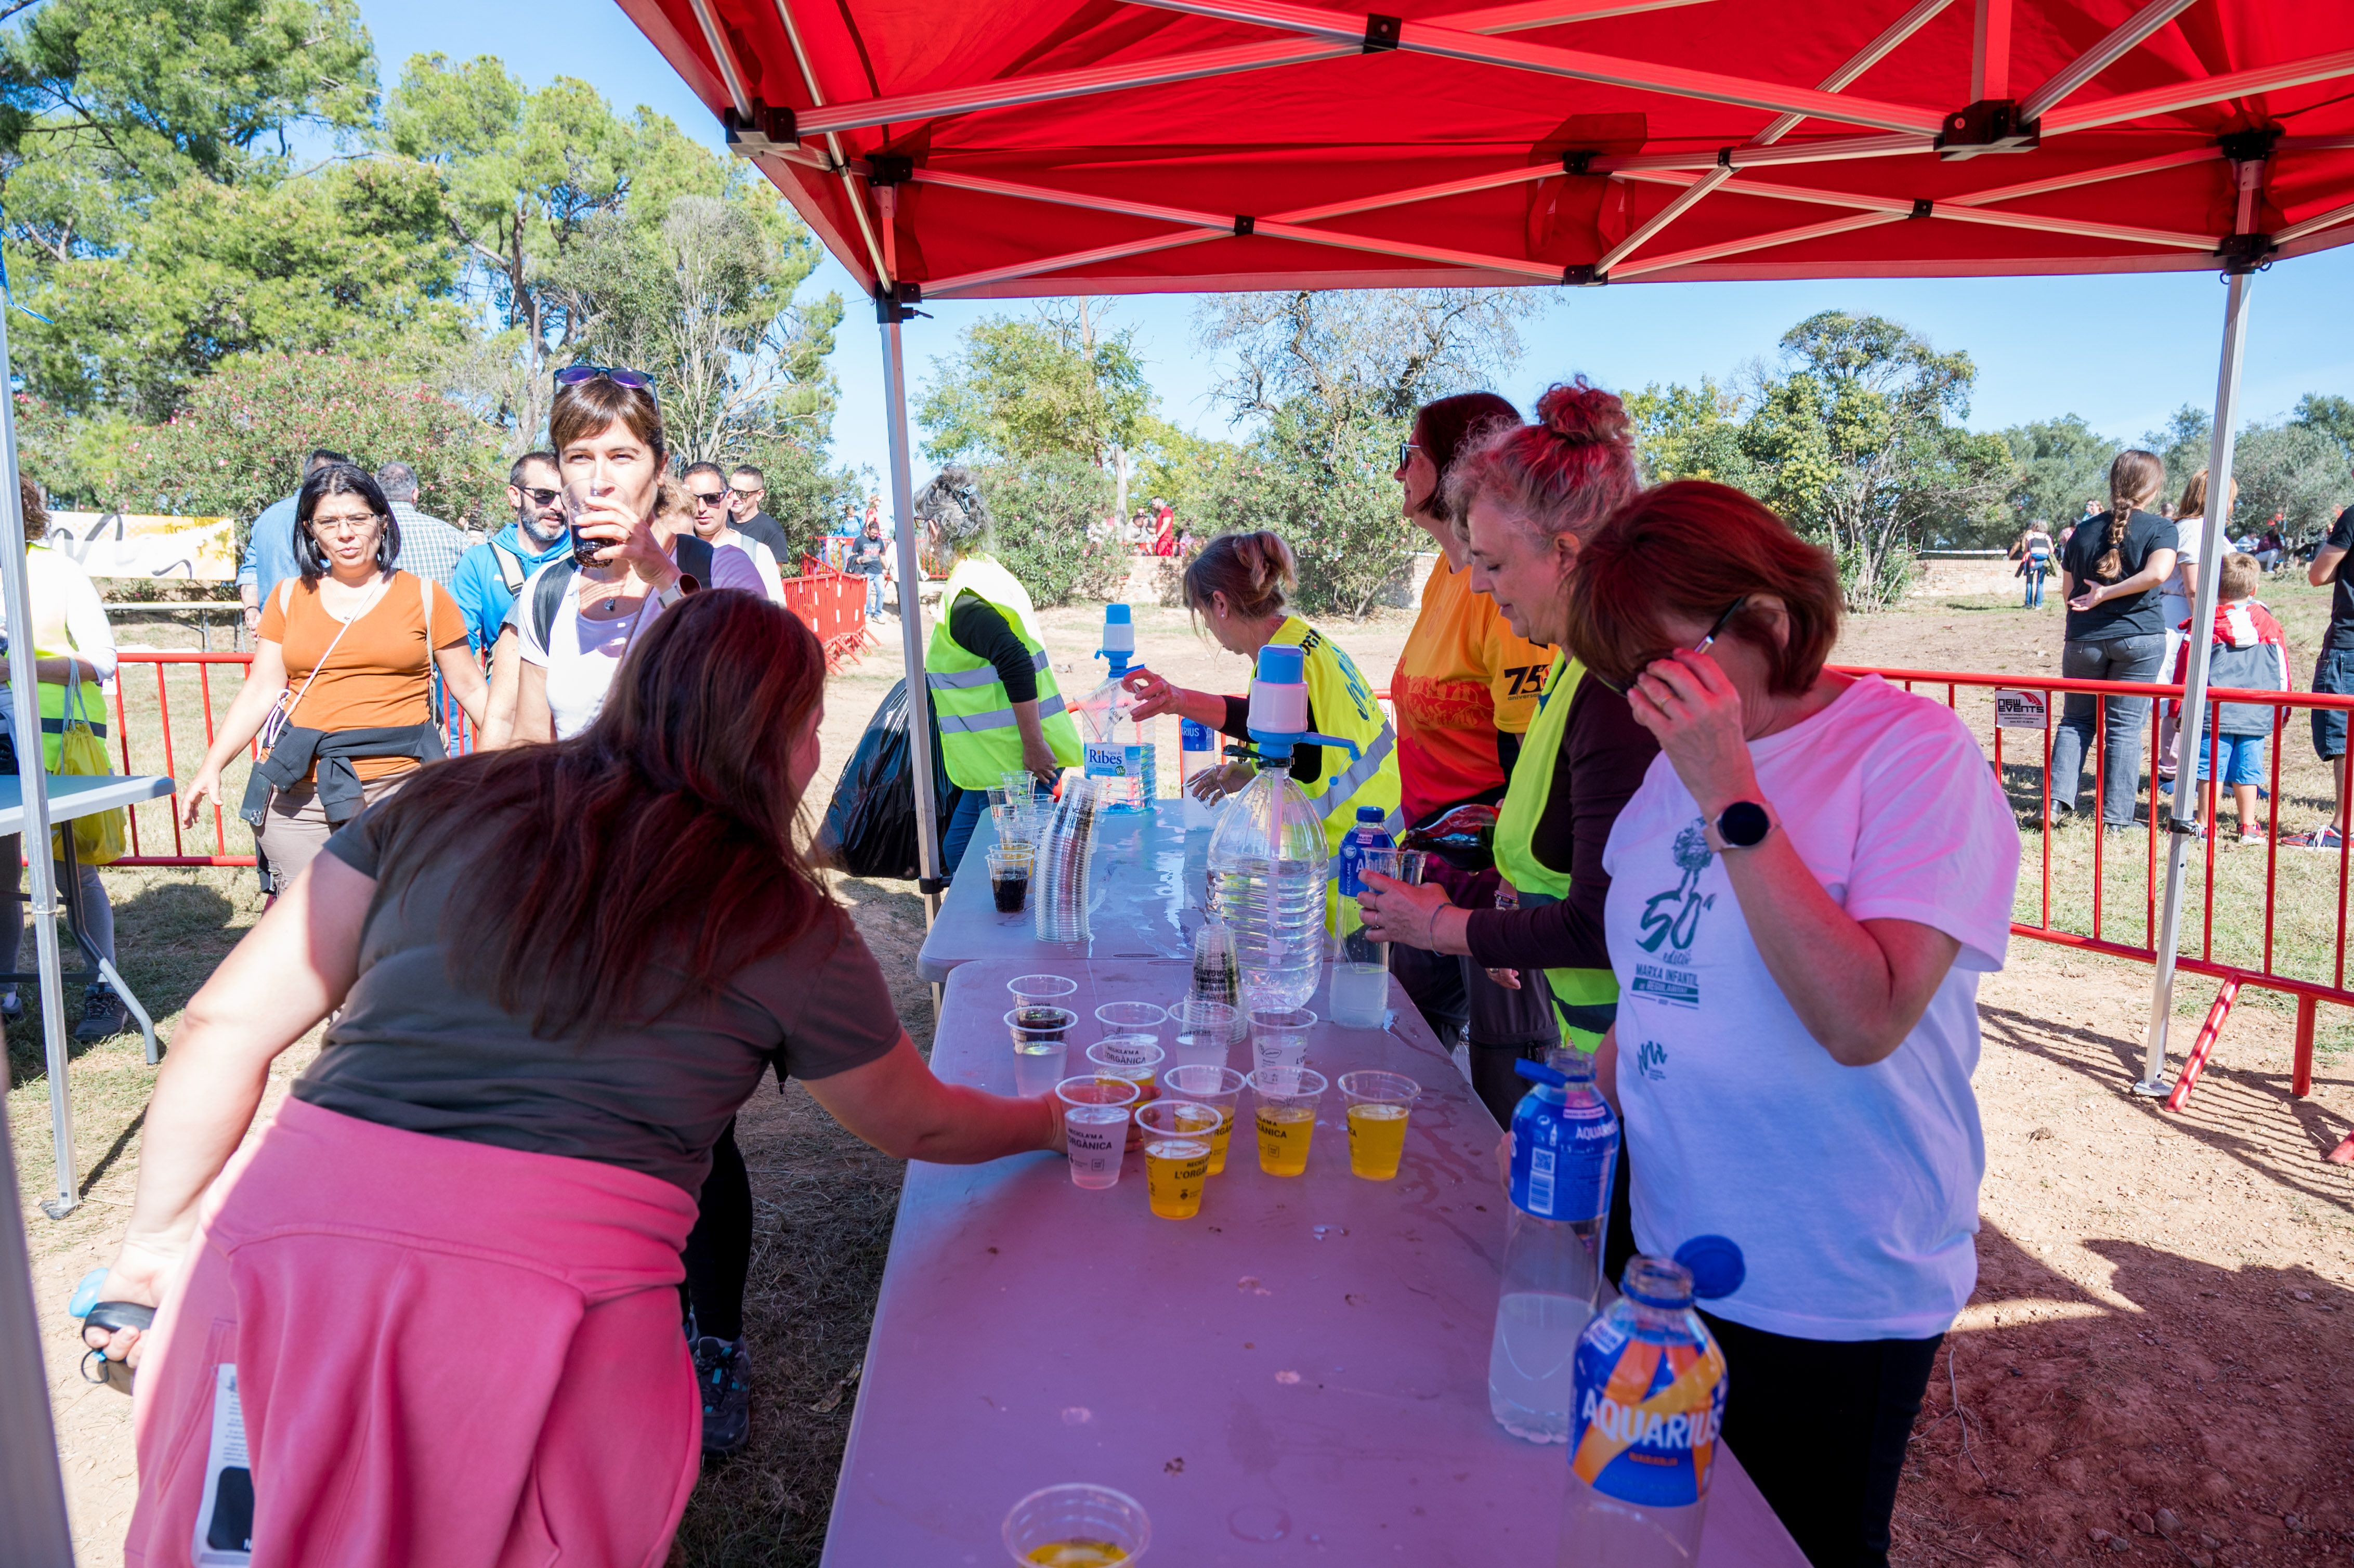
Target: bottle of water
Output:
[
  {"x": 1067, "y": 846},
  {"x": 1119, "y": 747},
  {"x": 1197, "y": 752},
  {"x": 1564, "y": 1155},
  {"x": 1361, "y": 971},
  {"x": 1650, "y": 1402},
  {"x": 1266, "y": 859}
]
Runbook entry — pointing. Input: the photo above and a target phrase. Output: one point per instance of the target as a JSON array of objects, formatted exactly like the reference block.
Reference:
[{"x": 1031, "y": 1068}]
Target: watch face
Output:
[{"x": 1744, "y": 824}]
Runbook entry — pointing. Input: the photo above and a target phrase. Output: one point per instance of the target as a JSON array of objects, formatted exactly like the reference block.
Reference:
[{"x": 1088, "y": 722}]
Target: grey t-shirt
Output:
[{"x": 415, "y": 1048}]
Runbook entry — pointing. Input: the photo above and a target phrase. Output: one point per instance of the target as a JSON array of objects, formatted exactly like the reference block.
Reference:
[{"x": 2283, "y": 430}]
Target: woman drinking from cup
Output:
[{"x": 442, "y": 1282}]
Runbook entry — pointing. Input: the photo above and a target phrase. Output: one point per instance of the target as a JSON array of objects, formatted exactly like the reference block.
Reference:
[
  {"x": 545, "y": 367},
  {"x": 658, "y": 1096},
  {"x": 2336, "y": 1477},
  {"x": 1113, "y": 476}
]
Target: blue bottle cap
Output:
[
  {"x": 1116, "y": 615},
  {"x": 85, "y": 1294},
  {"x": 1715, "y": 1264},
  {"x": 1371, "y": 814},
  {"x": 1284, "y": 664},
  {"x": 1538, "y": 1073}
]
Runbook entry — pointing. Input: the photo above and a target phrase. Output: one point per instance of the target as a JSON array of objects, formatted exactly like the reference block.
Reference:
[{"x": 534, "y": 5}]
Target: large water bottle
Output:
[
  {"x": 1650, "y": 1403},
  {"x": 1361, "y": 970},
  {"x": 1119, "y": 747},
  {"x": 1197, "y": 752},
  {"x": 1564, "y": 1156},
  {"x": 1266, "y": 859}
]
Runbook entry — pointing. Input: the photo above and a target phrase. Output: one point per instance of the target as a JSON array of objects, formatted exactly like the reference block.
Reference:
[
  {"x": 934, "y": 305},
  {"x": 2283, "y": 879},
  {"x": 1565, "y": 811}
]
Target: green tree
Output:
[
  {"x": 1326, "y": 486},
  {"x": 1018, "y": 387},
  {"x": 2293, "y": 471},
  {"x": 2061, "y": 463},
  {"x": 2182, "y": 442},
  {"x": 2332, "y": 416},
  {"x": 1042, "y": 509},
  {"x": 1690, "y": 432}
]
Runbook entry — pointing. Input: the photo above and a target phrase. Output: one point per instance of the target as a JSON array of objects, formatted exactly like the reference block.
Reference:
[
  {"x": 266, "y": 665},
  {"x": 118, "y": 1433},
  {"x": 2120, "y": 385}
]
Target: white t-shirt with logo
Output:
[{"x": 1852, "y": 1191}]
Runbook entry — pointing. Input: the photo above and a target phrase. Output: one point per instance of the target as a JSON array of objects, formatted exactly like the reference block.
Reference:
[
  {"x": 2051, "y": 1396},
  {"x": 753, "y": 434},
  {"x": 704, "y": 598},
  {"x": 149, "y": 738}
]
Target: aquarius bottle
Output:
[{"x": 1565, "y": 1157}]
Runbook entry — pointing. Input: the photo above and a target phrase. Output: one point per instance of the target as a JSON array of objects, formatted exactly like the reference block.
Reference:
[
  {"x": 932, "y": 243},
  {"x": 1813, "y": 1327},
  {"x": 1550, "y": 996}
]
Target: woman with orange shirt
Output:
[
  {"x": 1466, "y": 688},
  {"x": 343, "y": 675}
]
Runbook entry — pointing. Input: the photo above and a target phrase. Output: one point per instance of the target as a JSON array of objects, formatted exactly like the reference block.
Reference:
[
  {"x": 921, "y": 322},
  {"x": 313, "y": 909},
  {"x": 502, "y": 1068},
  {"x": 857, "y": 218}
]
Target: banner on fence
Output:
[
  {"x": 129, "y": 544},
  {"x": 2018, "y": 710}
]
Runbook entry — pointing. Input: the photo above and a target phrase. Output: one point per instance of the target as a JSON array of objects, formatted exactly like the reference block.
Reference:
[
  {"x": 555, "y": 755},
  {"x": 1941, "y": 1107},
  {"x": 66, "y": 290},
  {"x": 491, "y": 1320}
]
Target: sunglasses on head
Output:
[
  {"x": 620, "y": 375},
  {"x": 1702, "y": 646}
]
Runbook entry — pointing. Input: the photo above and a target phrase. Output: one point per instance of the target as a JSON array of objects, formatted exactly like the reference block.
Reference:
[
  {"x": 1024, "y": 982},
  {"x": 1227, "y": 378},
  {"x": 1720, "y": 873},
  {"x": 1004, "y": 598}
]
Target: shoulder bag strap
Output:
[
  {"x": 548, "y": 598},
  {"x": 319, "y": 668},
  {"x": 510, "y": 564}
]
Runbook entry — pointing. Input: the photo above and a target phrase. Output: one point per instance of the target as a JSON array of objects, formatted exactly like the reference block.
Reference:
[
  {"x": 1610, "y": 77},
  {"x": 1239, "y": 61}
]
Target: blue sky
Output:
[{"x": 2124, "y": 352}]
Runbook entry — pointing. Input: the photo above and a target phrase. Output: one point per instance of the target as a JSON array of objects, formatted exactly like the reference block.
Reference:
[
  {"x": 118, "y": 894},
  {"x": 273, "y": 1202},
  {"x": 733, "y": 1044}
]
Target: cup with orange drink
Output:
[{"x": 1378, "y": 1103}]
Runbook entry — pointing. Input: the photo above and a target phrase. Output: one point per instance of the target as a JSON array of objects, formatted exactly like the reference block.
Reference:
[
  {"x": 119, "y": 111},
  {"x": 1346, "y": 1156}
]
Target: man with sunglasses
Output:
[
  {"x": 489, "y": 575},
  {"x": 706, "y": 487},
  {"x": 747, "y": 493}
]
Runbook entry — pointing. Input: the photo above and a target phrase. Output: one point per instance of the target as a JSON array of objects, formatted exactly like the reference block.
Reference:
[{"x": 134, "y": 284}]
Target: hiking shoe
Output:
[
  {"x": 723, "y": 1373},
  {"x": 2325, "y": 837},
  {"x": 103, "y": 1016}
]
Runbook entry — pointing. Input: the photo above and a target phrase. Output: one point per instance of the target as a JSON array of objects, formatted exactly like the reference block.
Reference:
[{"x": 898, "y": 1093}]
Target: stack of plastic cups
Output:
[{"x": 1066, "y": 850}]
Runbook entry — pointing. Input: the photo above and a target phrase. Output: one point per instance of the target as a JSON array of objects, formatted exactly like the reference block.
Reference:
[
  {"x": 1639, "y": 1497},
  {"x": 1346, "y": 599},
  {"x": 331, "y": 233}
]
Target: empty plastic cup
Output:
[
  {"x": 1132, "y": 1018},
  {"x": 1076, "y": 1527},
  {"x": 1052, "y": 990},
  {"x": 1176, "y": 1155},
  {"x": 1279, "y": 1036},
  {"x": 1136, "y": 1058},
  {"x": 1213, "y": 1085},
  {"x": 1094, "y": 1128},
  {"x": 1288, "y": 1098},
  {"x": 1202, "y": 1031},
  {"x": 1378, "y": 1103}
]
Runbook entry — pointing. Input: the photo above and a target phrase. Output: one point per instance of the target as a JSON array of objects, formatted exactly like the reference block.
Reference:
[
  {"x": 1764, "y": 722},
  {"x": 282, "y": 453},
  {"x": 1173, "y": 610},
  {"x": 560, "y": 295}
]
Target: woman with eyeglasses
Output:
[
  {"x": 635, "y": 551},
  {"x": 1803, "y": 894},
  {"x": 341, "y": 684},
  {"x": 1531, "y": 496}
]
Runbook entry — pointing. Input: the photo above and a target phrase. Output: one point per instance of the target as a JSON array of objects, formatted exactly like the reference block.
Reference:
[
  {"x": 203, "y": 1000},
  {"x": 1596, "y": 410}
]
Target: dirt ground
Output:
[{"x": 2155, "y": 1361}]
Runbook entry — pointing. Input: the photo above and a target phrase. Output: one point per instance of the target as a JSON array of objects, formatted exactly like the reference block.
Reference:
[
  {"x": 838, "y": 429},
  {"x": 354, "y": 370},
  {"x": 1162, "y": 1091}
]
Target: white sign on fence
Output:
[
  {"x": 2019, "y": 710},
  {"x": 124, "y": 545}
]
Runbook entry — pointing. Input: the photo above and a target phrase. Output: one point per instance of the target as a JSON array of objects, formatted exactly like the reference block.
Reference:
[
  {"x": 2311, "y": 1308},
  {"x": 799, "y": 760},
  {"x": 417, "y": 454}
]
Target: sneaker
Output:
[
  {"x": 12, "y": 1006},
  {"x": 103, "y": 1016},
  {"x": 2251, "y": 836},
  {"x": 2325, "y": 837},
  {"x": 724, "y": 1374}
]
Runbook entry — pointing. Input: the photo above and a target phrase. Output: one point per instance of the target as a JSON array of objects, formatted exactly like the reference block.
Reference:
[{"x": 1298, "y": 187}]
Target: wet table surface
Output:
[
  {"x": 1298, "y": 1375},
  {"x": 1144, "y": 897}
]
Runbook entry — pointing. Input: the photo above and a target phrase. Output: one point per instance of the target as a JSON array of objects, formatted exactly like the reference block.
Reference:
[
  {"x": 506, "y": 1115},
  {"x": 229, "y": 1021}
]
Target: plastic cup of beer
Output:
[
  {"x": 1203, "y": 1030},
  {"x": 1076, "y": 1527},
  {"x": 1212, "y": 1085},
  {"x": 1279, "y": 1036},
  {"x": 1041, "y": 990},
  {"x": 1133, "y": 1058},
  {"x": 1288, "y": 1098},
  {"x": 1177, "y": 1136},
  {"x": 1094, "y": 1128},
  {"x": 1378, "y": 1103},
  {"x": 1041, "y": 1045}
]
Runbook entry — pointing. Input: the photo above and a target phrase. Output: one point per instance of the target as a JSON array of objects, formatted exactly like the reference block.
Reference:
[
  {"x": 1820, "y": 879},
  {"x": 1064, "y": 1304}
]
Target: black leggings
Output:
[
  {"x": 719, "y": 1256},
  {"x": 1821, "y": 1426}
]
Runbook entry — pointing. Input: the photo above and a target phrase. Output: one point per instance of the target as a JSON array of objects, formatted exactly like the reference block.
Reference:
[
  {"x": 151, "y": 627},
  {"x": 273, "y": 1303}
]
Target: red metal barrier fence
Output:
[{"x": 2302, "y": 949}]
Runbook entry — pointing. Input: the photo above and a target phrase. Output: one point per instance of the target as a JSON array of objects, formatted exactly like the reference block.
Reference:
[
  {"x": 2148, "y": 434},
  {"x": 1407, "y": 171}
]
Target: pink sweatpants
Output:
[{"x": 447, "y": 1354}]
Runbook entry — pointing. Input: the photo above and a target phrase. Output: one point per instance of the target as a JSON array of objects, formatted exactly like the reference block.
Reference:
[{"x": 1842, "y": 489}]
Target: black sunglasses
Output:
[
  {"x": 620, "y": 375},
  {"x": 538, "y": 497},
  {"x": 709, "y": 497},
  {"x": 1406, "y": 451},
  {"x": 1702, "y": 646}
]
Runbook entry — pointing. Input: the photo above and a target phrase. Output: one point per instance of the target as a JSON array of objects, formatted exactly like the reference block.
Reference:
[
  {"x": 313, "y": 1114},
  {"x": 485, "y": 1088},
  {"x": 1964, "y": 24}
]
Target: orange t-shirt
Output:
[
  {"x": 380, "y": 674},
  {"x": 1464, "y": 674}
]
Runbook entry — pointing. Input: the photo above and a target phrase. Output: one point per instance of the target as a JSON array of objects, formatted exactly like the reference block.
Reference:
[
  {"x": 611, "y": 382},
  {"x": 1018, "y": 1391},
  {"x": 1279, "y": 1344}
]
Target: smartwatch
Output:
[{"x": 1743, "y": 825}]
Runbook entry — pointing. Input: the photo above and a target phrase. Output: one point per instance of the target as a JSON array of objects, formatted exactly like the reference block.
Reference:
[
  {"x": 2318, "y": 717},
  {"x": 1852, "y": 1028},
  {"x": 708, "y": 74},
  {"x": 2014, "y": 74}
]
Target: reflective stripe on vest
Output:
[
  {"x": 966, "y": 679},
  {"x": 1516, "y": 825},
  {"x": 979, "y": 736},
  {"x": 996, "y": 718}
]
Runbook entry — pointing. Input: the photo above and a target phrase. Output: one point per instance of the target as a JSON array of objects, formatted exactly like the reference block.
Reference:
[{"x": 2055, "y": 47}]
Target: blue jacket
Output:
[
  {"x": 483, "y": 592},
  {"x": 269, "y": 550}
]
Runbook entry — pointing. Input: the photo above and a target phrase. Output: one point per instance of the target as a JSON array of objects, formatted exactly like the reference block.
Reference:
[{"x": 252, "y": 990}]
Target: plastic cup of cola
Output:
[
  {"x": 1094, "y": 1128},
  {"x": 1279, "y": 1036},
  {"x": 1008, "y": 876},
  {"x": 1378, "y": 1103},
  {"x": 1176, "y": 1155},
  {"x": 1215, "y": 1086},
  {"x": 1041, "y": 1045},
  {"x": 1041, "y": 990},
  {"x": 1076, "y": 1527},
  {"x": 1288, "y": 1098},
  {"x": 1133, "y": 1058},
  {"x": 1204, "y": 1031}
]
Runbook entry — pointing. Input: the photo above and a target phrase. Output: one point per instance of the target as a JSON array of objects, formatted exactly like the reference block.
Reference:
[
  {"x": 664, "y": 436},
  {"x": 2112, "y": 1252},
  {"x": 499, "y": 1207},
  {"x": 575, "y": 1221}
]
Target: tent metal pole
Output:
[
  {"x": 911, "y": 613},
  {"x": 2183, "y": 823},
  {"x": 2128, "y": 37},
  {"x": 32, "y": 1492},
  {"x": 25, "y": 714}
]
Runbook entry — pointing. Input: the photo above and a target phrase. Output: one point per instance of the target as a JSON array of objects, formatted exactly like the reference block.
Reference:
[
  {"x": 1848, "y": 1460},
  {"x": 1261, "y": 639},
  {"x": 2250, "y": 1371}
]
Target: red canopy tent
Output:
[{"x": 1111, "y": 146}]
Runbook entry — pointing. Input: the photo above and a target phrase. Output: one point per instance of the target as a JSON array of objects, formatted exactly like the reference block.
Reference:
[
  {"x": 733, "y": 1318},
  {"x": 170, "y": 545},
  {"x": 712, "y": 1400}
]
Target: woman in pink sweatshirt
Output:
[{"x": 432, "y": 1314}]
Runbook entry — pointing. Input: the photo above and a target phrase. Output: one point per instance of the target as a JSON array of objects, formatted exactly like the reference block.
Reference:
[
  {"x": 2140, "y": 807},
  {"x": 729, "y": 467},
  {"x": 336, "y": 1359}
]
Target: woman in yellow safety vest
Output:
[
  {"x": 1236, "y": 587},
  {"x": 1531, "y": 496},
  {"x": 992, "y": 685}
]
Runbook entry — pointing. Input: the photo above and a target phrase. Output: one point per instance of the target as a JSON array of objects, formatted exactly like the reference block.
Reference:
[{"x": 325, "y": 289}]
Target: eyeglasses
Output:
[
  {"x": 363, "y": 520},
  {"x": 1702, "y": 646},
  {"x": 708, "y": 497},
  {"x": 1406, "y": 451},
  {"x": 537, "y": 496},
  {"x": 575, "y": 374}
]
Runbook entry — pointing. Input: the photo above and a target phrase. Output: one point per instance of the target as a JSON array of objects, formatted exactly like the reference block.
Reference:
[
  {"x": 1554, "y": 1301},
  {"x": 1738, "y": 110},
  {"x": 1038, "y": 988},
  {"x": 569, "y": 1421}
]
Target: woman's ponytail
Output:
[{"x": 2135, "y": 479}]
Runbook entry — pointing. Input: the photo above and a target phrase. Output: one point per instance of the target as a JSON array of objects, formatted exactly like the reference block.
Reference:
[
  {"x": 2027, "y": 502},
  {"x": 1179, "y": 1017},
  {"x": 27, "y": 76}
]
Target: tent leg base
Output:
[{"x": 57, "y": 1208}]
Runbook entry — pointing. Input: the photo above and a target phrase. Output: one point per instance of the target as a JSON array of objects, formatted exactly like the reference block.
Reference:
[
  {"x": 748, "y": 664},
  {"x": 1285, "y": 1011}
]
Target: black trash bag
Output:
[{"x": 870, "y": 825}]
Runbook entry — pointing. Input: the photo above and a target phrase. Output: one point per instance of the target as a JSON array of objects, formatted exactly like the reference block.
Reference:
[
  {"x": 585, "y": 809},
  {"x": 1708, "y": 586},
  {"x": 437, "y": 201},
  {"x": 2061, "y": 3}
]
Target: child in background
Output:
[{"x": 2246, "y": 651}]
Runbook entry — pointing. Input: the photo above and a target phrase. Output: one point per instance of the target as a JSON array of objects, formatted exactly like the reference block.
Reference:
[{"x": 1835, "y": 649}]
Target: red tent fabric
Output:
[{"x": 1058, "y": 147}]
